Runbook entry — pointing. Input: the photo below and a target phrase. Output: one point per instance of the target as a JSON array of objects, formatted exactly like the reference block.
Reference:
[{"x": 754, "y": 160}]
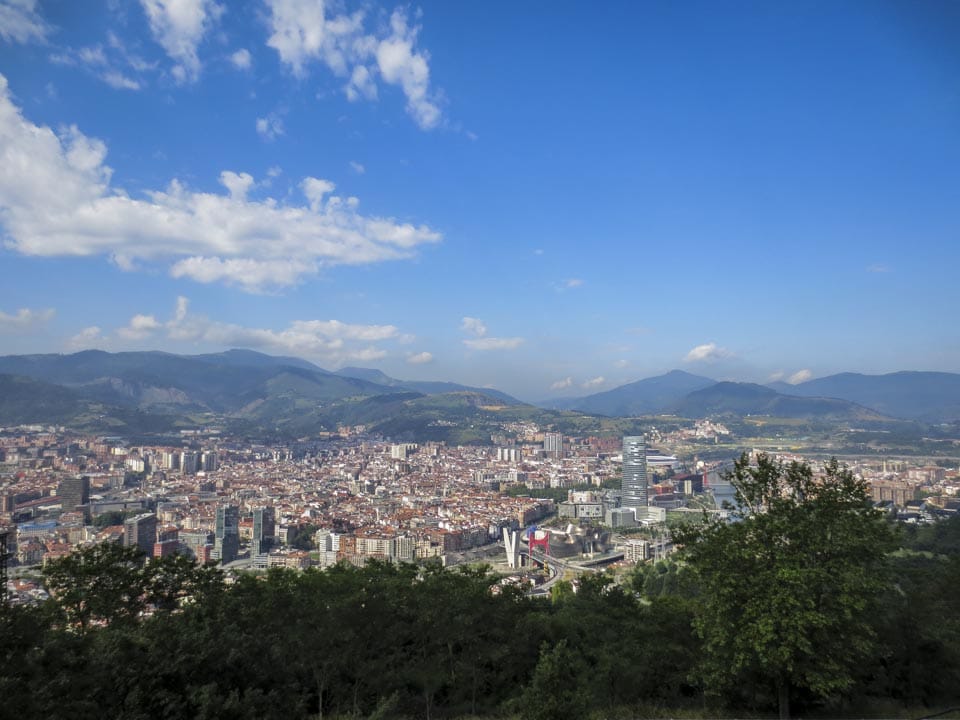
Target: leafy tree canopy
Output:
[{"x": 787, "y": 586}]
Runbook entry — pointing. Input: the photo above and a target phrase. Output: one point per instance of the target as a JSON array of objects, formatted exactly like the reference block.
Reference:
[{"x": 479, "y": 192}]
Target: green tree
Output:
[
  {"x": 557, "y": 687},
  {"x": 303, "y": 539},
  {"x": 98, "y": 583},
  {"x": 787, "y": 587},
  {"x": 171, "y": 581}
]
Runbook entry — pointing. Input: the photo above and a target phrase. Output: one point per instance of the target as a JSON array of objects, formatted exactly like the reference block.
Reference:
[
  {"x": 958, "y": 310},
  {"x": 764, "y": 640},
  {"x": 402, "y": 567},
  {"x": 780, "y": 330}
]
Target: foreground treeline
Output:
[
  {"x": 391, "y": 641},
  {"x": 379, "y": 640},
  {"x": 168, "y": 639}
]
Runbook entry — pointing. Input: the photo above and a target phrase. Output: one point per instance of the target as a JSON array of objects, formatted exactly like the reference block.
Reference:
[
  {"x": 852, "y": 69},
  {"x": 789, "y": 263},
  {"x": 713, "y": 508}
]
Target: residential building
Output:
[{"x": 140, "y": 531}]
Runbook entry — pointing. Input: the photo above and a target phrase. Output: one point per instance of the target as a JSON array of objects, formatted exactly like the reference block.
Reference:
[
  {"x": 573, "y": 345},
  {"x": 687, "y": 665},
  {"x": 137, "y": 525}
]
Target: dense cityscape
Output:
[{"x": 351, "y": 497}]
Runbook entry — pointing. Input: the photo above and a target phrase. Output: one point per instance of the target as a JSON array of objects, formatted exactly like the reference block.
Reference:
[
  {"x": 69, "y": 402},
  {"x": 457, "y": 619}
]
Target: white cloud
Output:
[
  {"x": 362, "y": 84},
  {"x": 595, "y": 382},
  {"x": 562, "y": 384},
  {"x": 119, "y": 81},
  {"x": 270, "y": 127},
  {"x": 89, "y": 337},
  {"x": 302, "y": 32},
  {"x": 237, "y": 184},
  {"x": 56, "y": 199},
  {"x": 878, "y": 268},
  {"x": 20, "y": 22},
  {"x": 572, "y": 283},
  {"x": 180, "y": 314},
  {"x": 776, "y": 376},
  {"x": 139, "y": 327},
  {"x": 24, "y": 320},
  {"x": 420, "y": 358},
  {"x": 251, "y": 275},
  {"x": 800, "y": 376},
  {"x": 493, "y": 343},
  {"x": 707, "y": 353},
  {"x": 480, "y": 341},
  {"x": 621, "y": 363},
  {"x": 401, "y": 64},
  {"x": 315, "y": 189},
  {"x": 241, "y": 59},
  {"x": 179, "y": 26},
  {"x": 474, "y": 326},
  {"x": 131, "y": 60},
  {"x": 92, "y": 55},
  {"x": 357, "y": 167},
  {"x": 327, "y": 341},
  {"x": 95, "y": 60}
]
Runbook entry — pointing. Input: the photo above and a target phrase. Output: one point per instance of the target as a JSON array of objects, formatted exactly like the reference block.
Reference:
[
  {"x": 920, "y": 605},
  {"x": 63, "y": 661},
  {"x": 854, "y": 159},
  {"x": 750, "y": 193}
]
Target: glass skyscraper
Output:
[
  {"x": 226, "y": 539},
  {"x": 633, "y": 484},
  {"x": 264, "y": 527}
]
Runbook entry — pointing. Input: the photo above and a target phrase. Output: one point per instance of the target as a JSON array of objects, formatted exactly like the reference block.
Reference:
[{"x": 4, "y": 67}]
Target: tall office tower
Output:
[
  {"x": 189, "y": 461},
  {"x": 75, "y": 494},
  {"x": 633, "y": 484},
  {"x": 553, "y": 444},
  {"x": 209, "y": 461},
  {"x": 264, "y": 527},
  {"x": 7, "y": 506},
  {"x": 140, "y": 531},
  {"x": 226, "y": 536}
]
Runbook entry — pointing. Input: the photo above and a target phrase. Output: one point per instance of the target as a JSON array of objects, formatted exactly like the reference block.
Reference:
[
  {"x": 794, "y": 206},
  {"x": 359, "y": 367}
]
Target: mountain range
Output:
[
  {"x": 161, "y": 392},
  {"x": 931, "y": 397}
]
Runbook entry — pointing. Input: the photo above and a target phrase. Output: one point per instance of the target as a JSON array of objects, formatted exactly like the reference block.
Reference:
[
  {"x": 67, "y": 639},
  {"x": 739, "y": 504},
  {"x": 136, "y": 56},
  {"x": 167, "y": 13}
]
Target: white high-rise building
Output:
[
  {"x": 633, "y": 483},
  {"x": 553, "y": 444}
]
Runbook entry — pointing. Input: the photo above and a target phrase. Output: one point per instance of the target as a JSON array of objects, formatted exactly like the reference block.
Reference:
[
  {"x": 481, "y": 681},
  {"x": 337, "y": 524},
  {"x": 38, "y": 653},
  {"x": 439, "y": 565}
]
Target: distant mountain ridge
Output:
[
  {"x": 158, "y": 391},
  {"x": 643, "y": 397},
  {"x": 742, "y": 399},
  {"x": 911, "y": 395},
  {"x": 222, "y": 382},
  {"x": 931, "y": 397},
  {"x": 427, "y": 387}
]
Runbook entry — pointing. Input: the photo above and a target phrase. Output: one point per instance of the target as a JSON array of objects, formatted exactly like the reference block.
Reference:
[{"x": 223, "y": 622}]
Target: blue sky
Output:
[{"x": 548, "y": 198}]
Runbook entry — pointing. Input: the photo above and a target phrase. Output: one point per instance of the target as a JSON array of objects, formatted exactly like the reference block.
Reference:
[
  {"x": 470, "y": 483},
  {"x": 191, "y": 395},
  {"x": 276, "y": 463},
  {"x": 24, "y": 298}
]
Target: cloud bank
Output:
[
  {"x": 330, "y": 342},
  {"x": 56, "y": 199},
  {"x": 24, "y": 320}
]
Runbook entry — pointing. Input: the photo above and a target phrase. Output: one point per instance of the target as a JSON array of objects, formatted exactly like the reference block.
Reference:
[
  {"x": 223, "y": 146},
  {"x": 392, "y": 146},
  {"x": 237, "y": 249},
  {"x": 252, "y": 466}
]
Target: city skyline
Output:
[{"x": 556, "y": 205}]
